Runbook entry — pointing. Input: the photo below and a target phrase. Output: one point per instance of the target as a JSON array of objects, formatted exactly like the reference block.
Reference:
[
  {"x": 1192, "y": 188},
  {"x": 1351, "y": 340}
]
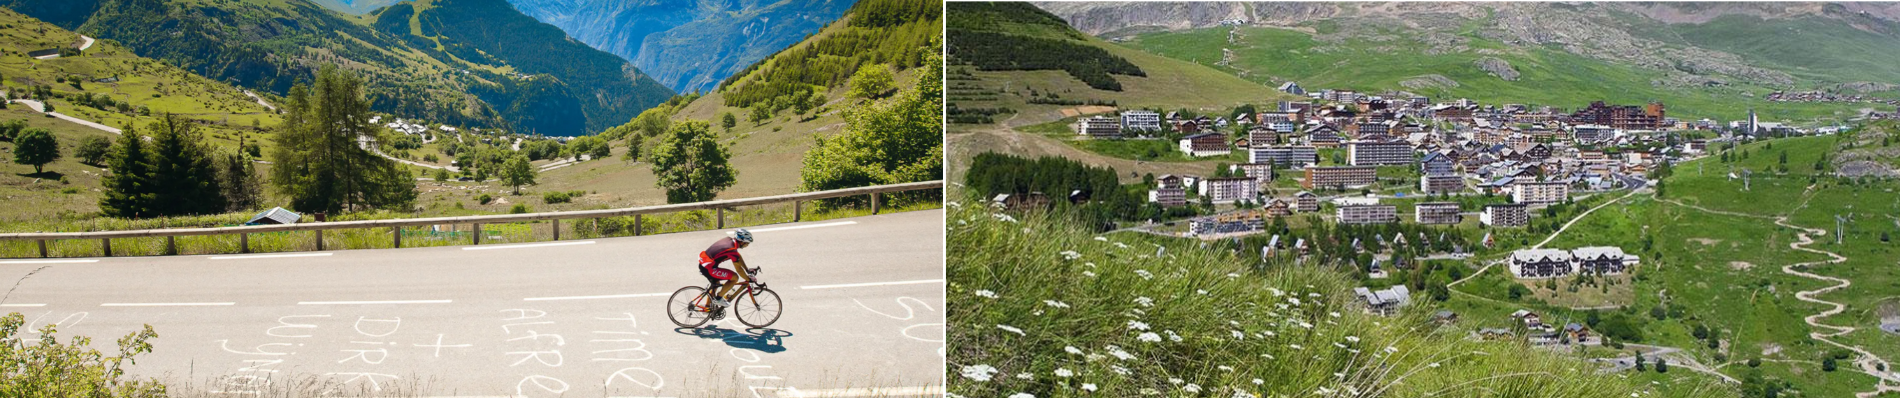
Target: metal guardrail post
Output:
[
  {"x": 43, "y": 248},
  {"x": 873, "y": 203},
  {"x": 722, "y": 218},
  {"x": 798, "y": 210},
  {"x": 557, "y": 228},
  {"x": 107, "y": 244},
  {"x": 639, "y": 224},
  {"x": 244, "y": 243},
  {"x": 319, "y": 240},
  {"x": 171, "y": 245},
  {"x": 397, "y": 232},
  {"x": 478, "y": 233}
]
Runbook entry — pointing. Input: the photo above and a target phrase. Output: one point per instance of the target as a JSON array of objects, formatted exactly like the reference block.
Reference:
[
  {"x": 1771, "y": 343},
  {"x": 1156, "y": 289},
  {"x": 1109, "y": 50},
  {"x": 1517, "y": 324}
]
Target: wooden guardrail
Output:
[{"x": 395, "y": 225}]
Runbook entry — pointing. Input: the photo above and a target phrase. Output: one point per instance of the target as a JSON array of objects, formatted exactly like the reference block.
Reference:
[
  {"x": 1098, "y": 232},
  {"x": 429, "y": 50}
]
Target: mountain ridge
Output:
[{"x": 720, "y": 38}]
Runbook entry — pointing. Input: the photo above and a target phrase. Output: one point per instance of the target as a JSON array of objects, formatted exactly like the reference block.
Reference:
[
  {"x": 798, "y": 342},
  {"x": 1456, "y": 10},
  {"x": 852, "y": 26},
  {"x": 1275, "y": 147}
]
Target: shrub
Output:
[
  {"x": 519, "y": 208},
  {"x": 484, "y": 198},
  {"x": 73, "y": 369},
  {"x": 561, "y": 197},
  {"x": 1754, "y": 362}
]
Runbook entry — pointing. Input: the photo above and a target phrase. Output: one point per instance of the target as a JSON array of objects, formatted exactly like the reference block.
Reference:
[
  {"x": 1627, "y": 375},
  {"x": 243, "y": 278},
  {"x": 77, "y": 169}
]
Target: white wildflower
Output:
[
  {"x": 1120, "y": 245},
  {"x": 953, "y": 204},
  {"x": 1202, "y": 292},
  {"x": 1172, "y": 336},
  {"x": 1225, "y": 368},
  {"x": 1101, "y": 239},
  {"x": 985, "y": 294},
  {"x": 1119, "y": 353},
  {"x": 1324, "y": 391},
  {"x": 1064, "y": 372},
  {"x": 1090, "y": 387},
  {"x": 1296, "y": 347},
  {"x": 1011, "y": 329},
  {"x": 1192, "y": 388},
  {"x": 1005, "y": 218},
  {"x": 1334, "y": 314},
  {"x": 1293, "y": 300},
  {"x": 1150, "y": 337},
  {"x": 1025, "y": 376},
  {"x": 1238, "y": 393},
  {"x": 1434, "y": 364},
  {"x": 1144, "y": 301},
  {"x": 1070, "y": 255},
  {"x": 1339, "y": 345},
  {"x": 1088, "y": 274},
  {"x": 1145, "y": 274},
  {"x": 1354, "y": 339},
  {"x": 1175, "y": 380},
  {"x": 1276, "y": 292},
  {"x": 1306, "y": 325},
  {"x": 1094, "y": 357},
  {"x": 1072, "y": 350},
  {"x": 1233, "y": 275},
  {"x": 1137, "y": 325},
  {"x": 1022, "y": 395},
  {"x": 1120, "y": 370},
  {"x": 1259, "y": 382},
  {"x": 1239, "y": 336},
  {"x": 1391, "y": 350},
  {"x": 1057, "y": 304},
  {"x": 980, "y": 373}
]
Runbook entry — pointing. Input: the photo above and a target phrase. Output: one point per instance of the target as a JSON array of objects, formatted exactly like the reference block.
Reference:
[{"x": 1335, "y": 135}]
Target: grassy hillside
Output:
[
  {"x": 1135, "y": 315},
  {"x": 454, "y": 68},
  {"x": 1041, "y": 93},
  {"x": 1396, "y": 61}
]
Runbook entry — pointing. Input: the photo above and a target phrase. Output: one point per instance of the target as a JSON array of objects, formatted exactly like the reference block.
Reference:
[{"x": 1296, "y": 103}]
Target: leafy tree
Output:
[
  {"x": 184, "y": 178},
  {"x": 317, "y": 161},
  {"x": 93, "y": 150},
  {"x": 690, "y": 165},
  {"x": 871, "y": 82},
  {"x": 517, "y": 173},
  {"x": 897, "y": 142},
  {"x": 726, "y": 121},
  {"x": 238, "y": 182},
  {"x": 1827, "y": 364},
  {"x": 760, "y": 113},
  {"x": 128, "y": 188},
  {"x": 441, "y": 174},
  {"x": 37, "y": 147},
  {"x": 600, "y": 150}
]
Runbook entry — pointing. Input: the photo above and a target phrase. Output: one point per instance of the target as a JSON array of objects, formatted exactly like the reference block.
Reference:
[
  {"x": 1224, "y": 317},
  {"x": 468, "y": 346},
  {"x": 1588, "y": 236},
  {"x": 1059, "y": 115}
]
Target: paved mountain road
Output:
[{"x": 864, "y": 309}]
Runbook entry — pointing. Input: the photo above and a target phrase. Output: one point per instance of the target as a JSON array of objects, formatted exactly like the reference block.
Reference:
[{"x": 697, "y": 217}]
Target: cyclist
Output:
[{"x": 722, "y": 250}]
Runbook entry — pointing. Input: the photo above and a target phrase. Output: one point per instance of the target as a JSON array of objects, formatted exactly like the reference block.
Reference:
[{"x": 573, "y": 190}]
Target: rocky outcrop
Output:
[
  {"x": 1498, "y": 67},
  {"x": 1867, "y": 87},
  {"x": 1433, "y": 81}
]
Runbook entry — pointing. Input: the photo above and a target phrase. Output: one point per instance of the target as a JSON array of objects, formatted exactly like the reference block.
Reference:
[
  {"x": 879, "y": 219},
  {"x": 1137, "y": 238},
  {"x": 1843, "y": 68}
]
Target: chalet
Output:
[
  {"x": 1278, "y": 208},
  {"x": 1323, "y": 135},
  {"x": 1436, "y": 163},
  {"x": 1602, "y": 260},
  {"x": 1530, "y": 319},
  {"x": 1260, "y": 135},
  {"x": 1169, "y": 181},
  {"x": 1384, "y": 302},
  {"x": 1541, "y": 263},
  {"x": 1168, "y": 196},
  {"x": 1292, "y": 88},
  {"x": 1306, "y": 201}
]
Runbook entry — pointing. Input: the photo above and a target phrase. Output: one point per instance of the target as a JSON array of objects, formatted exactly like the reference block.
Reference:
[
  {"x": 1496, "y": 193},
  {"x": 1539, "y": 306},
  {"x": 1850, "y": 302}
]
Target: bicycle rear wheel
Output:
[
  {"x": 686, "y": 306},
  {"x": 758, "y": 308}
]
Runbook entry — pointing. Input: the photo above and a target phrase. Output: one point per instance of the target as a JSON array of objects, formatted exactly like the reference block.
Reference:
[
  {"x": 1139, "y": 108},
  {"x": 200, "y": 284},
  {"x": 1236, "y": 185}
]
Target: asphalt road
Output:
[{"x": 864, "y": 316}]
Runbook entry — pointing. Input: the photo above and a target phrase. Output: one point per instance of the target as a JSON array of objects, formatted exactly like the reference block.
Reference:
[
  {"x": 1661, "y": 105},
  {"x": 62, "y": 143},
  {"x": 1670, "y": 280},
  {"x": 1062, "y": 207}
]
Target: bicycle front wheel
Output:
[
  {"x": 687, "y": 307},
  {"x": 758, "y": 308}
]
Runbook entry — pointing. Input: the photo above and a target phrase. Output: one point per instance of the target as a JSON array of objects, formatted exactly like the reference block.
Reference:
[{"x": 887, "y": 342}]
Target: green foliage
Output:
[
  {"x": 183, "y": 176},
  {"x": 11, "y": 129},
  {"x": 900, "y": 33},
  {"x": 517, "y": 173},
  {"x": 898, "y": 142},
  {"x": 870, "y": 82},
  {"x": 690, "y": 166},
  {"x": 727, "y": 121},
  {"x": 93, "y": 150},
  {"x": 129, "y": 192},
  {"x": 561, "y": 196},
  {"x": 36, "y": 147},
  {"x": 520, "y": 208},
  {"x": 1827, "y": 364},
  {"x": 317, "y": 161},
  {"x": 484, "y": 199},
  {"x": 41, "y": 367},
  {"x": 238, "y": 182}
]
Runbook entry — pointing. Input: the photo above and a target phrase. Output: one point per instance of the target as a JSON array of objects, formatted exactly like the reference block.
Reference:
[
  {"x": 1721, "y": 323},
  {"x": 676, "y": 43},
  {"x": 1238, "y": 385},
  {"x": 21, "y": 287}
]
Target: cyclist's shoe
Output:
[{"x": 719, "y": 302}]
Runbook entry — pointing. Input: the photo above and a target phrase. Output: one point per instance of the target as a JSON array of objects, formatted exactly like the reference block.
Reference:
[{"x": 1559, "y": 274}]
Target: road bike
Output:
[{"x": 751, "y": 302}]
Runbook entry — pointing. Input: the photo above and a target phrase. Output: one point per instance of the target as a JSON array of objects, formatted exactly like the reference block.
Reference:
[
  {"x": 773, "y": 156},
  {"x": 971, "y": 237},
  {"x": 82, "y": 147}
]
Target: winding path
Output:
[
  {"x": 41, "y": 108},
  {"x": 1869, "y": 363}
]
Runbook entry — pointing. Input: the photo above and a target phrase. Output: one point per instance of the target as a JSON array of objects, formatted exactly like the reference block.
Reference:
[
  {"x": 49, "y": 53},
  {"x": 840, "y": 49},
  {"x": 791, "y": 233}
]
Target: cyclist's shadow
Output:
[{"x": 767, "y": 340}]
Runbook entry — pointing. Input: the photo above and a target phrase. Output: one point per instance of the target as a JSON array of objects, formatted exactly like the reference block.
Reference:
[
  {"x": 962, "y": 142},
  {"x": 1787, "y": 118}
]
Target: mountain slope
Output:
[
  {"x": 689, "y": 46},
  {"x": 1707, "y": 60},
  {"x": 465, "y": 74}
]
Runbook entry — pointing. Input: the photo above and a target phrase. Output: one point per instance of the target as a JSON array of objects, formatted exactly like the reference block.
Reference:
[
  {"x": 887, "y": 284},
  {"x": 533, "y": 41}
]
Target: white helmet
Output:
[{"x": 741, "y": 235}]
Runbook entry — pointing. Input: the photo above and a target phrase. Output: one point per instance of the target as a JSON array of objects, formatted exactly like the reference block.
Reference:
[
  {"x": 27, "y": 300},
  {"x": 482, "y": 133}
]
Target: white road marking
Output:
[
  {"x": 524, "y": 246},
  {"x": 22, "y": 305},
  {"x": 374, "y": 302},
  {"x": 872, "y": 284},
  {"x": 829, "y": 224},
  {"x": 609, "y": 296},
  {"x": 47, "y": 261},
  {"x": 247, "y": 257},
  {"x": 165, "y": 304},
  {"x": 870, "y": 392}
]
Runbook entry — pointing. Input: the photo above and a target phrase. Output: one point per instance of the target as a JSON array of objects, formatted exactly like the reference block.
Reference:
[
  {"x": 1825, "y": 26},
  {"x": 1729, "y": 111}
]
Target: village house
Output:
[
  {"x": 1602, "y": 260},
  {"x": 1541, "y": 263},
  {"x": 1205, "y": 144},
  {"x": 1539, "y": 192},
  {"x": 1358, "y": 214},
  {"x": 1098, "y": 127},
  {"x": 1306, "y": 202},
  {"x": 1384, "y": 302},
  {"x": 1278, "y": 208},
  {"x": 1292, "y": 88},
  {"x": 1340, "y": 177},
  {"x": 1229, "y": 190},
  {"x": 1374, "y": 153},
  {"x": 1437, "y": 163},
  {"x": 1437, "y": 213},
  {"x": 1261, "y": 136},
  {"x": 1288, "y": 156},
  {"x": 1591, "y": 133},
  {"x": 1261, "y": 172},
  {"x": 1433, "y": 184},
  {"x": 1323, "y": 135},
  {"x": 1141, "y": 120},
  {"x": 1168, "y": 196},
  {"x": 1505, "y": 215}
]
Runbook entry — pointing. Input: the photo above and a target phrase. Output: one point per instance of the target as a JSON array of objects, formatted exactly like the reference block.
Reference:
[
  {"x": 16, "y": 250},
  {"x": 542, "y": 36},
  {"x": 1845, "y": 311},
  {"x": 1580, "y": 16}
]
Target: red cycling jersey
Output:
[{"x": 725, "y": 249}]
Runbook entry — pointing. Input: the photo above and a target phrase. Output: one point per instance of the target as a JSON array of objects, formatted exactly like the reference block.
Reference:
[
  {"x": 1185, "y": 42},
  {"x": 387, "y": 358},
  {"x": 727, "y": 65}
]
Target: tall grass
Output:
[
  {"x": 383, "y": 238},
  {"x": 1039, "y": 307}
]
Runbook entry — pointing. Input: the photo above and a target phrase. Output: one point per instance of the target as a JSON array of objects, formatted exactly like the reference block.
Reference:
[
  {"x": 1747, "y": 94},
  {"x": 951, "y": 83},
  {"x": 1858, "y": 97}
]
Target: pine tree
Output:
[
  {"x": 318, "y": 162},
  {"x": 184, "y": 179},
  {"x": 128, "y": 189},
  {"x": 238, "y": 182}
]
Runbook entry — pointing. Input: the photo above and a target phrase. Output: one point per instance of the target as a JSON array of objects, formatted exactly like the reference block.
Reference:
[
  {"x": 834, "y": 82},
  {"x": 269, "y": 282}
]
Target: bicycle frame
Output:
[{"x": 747, "y": 286}]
